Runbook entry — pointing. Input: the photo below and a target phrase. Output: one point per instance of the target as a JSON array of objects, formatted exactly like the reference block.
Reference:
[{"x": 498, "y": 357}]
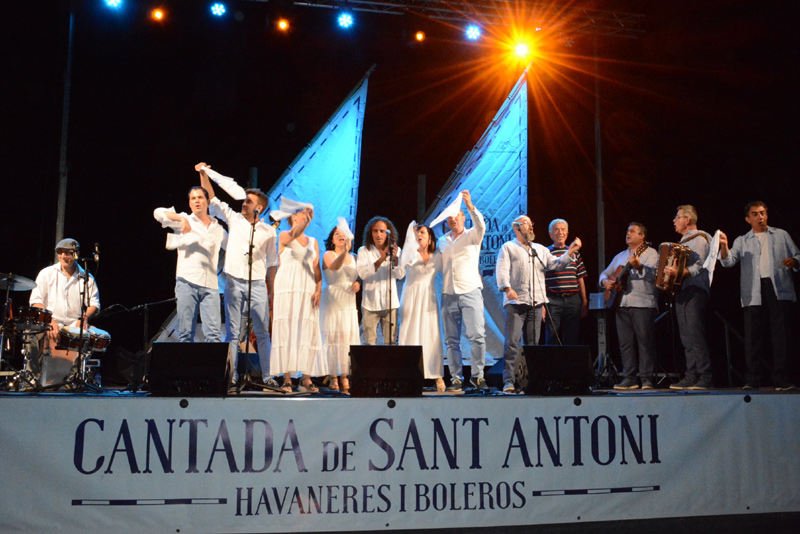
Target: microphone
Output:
[
  {"x": 97, "y": 252},
  {"x": 388, "y": 232}
]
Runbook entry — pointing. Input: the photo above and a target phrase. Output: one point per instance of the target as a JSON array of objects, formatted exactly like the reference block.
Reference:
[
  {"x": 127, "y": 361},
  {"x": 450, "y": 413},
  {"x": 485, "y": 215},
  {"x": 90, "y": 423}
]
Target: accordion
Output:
[{"x": 671, "y": 255}]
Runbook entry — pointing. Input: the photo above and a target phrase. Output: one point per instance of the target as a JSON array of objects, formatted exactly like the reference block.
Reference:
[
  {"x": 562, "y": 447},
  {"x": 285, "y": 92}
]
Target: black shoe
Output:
[
  {"x": 686, "y": 383},
  {"x": 647, "y": 383},
  {"x": 478, "y": 382},
  {"x": 701, "y": 384},
  {"x": 455, "y": 385},
  {"x": 627, "y": 383}
]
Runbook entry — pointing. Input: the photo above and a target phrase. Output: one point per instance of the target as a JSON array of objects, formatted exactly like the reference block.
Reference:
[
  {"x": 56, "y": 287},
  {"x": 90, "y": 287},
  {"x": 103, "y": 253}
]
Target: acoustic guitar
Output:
[{"x": 613, "y": 295}]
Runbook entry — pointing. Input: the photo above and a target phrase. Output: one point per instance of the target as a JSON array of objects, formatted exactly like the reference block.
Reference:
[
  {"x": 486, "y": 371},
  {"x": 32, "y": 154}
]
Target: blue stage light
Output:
[
  {"x": 473, "y": 32},
  {"x": 345, "y": 20},
  {"x": 113, "y": 3},
  {"x": 218, "y": 9}
]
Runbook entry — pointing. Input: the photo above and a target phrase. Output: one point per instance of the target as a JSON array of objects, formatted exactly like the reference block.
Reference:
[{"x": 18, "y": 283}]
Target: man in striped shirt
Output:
[{"x": 566, "y": 291}]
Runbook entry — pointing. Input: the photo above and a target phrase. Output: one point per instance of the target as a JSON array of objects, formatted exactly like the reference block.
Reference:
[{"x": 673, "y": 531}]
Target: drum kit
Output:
[{"x": 31, "y": 325}]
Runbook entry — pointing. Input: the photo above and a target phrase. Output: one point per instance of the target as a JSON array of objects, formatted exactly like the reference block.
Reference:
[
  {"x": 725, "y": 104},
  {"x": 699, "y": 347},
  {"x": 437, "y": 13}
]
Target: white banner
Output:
[{"x": 82, "y": 464}]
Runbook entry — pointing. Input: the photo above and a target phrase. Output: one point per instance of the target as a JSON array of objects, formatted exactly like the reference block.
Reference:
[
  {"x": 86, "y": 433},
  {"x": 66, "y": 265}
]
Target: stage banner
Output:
[
  {"x": 98, "y": 465},
  {"x": 496, "y": 173},
  {"x": 326, "y": 173}
]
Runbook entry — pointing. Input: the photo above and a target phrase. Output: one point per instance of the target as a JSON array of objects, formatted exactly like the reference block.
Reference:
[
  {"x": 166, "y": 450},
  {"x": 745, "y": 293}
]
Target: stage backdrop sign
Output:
[
  {"x": 82, "y": 464},
  {"x": 496, "y": 173}
]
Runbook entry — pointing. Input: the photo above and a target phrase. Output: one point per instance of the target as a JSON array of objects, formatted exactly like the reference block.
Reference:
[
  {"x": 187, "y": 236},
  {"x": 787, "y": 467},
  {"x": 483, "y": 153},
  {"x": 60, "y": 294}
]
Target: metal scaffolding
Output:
[{"x": 570, "y": 19}]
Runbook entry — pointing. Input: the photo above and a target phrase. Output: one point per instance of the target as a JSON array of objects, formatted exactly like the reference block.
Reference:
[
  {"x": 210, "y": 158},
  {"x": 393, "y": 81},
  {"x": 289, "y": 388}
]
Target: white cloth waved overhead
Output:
[
  {"x": 289, "y": 207},
  {"x": 227, "y": 184},
  {"x": 344, "y": 228},
  {"x": 450, "y": 211},
  {"x": 711, "y": 259}
]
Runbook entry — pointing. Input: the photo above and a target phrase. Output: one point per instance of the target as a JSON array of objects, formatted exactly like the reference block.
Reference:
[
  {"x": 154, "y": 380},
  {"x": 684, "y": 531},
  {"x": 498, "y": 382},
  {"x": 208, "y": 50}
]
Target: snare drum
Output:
[
  {"x": 98, "y": 339},
  {"x": 32, "y": 320},
  {"x": 68, "y": 338}
]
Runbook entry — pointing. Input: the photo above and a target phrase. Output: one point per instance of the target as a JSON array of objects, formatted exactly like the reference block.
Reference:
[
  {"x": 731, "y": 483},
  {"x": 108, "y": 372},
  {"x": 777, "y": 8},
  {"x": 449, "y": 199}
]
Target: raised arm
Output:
[{"x": 205, "y": 181}]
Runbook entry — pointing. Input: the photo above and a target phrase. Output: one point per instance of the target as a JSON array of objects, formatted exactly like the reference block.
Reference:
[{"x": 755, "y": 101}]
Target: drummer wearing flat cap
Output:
[{"x": 58, "y": 289}]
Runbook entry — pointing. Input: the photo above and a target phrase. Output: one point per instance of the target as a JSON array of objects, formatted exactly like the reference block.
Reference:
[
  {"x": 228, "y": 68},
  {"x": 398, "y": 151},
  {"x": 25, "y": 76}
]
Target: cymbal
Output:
[{"x": 15, "y": 282}]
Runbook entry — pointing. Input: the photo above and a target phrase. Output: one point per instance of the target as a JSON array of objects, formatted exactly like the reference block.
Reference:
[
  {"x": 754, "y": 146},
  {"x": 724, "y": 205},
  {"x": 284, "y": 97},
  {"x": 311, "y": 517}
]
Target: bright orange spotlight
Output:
[
  {"x": 157, "y": 14},
  {"x": 419, "y": 36},
  {"x": 283, "y": 25},
  {"x": 522, "y": 50}
]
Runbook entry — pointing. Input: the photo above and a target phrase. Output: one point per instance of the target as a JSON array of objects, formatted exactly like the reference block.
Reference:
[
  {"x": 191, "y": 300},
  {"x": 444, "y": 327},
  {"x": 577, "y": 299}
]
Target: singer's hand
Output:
[
  {"x": 185, "y": 227},
  {"x": 199, "y": 166},
  {"x": 395, "y": 254},
  {"x": 355, "y": 287},
  {"x": 467, "y": 199},
  {"x": 315, "y": 298},
  {"x": 511, "y": 294},
  {"x": 575, "y": 246}
]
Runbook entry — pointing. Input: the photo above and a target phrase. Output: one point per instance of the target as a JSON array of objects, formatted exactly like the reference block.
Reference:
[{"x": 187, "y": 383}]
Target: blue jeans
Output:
[
  {"x": 466, "y": 310},
  {"x": 192, "y": 298},
  {"x": 520, "y": 319},
  {"x": 236, "y": 319}
]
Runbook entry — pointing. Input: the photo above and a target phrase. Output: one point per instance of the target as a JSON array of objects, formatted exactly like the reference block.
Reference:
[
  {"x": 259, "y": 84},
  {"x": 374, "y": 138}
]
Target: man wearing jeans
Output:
[
  {"x": 457, "y": 256},
  {"x": 198, "y": 239},
  {"x": 238, "y": 270}
]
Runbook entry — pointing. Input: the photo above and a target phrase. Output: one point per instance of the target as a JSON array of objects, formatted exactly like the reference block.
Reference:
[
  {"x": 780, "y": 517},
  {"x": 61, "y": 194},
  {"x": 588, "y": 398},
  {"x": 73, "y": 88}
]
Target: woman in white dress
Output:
[
  {"x": 296, "y": 345},
  {"x": 420, "y": 322},
  {"x": 339, "y": 311}
]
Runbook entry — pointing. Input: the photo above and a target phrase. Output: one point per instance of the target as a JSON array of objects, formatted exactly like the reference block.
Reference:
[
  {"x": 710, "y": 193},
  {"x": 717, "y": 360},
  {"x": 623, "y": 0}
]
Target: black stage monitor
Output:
[
  {"x": 386, "y": 371},
  {"x": 189, "y": 369},
  {"x": 558, "y": 369}
]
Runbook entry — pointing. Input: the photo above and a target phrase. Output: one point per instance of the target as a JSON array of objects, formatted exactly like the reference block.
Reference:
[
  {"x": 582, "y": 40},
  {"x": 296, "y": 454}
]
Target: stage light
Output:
[
  {"x": 473, "y": 32},
  {"x": 345, "y": 20},
  {"x": 522, "y": 50},
  {"x": 419, "y": 36},
  {"x": 157, "y": 15},
  {"x": 113, "y": 3},
  {"x": 282, "y": 25},
  {"x": 217, "y": 9}
]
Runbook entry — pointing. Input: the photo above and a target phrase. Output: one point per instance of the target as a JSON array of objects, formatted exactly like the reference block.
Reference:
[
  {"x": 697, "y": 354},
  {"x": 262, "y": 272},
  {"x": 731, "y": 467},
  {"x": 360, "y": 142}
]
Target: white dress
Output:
[
  {"x": 295, "y": 322},
  {"x": 339, "y": 317},
  {"x": 420, "y": 322}
]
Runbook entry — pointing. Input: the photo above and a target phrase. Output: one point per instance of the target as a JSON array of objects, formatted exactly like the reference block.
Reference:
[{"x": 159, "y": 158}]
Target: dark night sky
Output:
[{"x": 700, "y": 109}]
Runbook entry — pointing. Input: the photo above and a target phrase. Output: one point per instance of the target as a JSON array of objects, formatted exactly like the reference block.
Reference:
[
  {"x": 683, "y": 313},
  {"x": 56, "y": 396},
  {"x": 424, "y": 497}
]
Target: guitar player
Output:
[{"x": 632, "y": 274}]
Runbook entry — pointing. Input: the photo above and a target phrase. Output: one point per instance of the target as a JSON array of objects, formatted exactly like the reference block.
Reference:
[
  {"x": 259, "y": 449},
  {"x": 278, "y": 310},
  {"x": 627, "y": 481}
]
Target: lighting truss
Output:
[{"x": 570, "y": 19}]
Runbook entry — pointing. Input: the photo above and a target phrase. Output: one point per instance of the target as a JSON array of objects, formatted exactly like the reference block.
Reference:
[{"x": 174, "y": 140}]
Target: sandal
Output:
[
  {"x": 287, "y": 387},
  {"x": 440, "y": 385},
  {"x": 333, "y": 385},
  {"x": 345, "y": 385}
]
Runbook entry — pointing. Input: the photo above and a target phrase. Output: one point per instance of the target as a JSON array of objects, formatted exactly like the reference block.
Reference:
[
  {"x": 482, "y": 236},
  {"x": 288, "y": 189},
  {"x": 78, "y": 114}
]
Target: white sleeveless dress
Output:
[
  {"x": 339, "y": 317},
  {"x": 296, "y": 345},
  {"x": 420, "y": 322}
]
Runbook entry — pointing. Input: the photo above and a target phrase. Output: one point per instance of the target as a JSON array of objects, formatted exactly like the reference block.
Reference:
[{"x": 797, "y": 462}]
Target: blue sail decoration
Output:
[
  {"x": 326, "y": 172},
  {"x": 495, "y": 172}
]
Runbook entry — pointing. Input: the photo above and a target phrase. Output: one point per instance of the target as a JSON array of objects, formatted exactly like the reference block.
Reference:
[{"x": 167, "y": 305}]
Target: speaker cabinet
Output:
[
  {"x": 386, "y": 371},
  {"x": 189, "y": 369},
  {"x": 558, "y": 370}
]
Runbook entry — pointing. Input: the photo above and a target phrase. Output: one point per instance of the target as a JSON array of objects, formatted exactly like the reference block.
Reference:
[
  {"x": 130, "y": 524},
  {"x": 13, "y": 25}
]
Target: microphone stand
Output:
[
  {"x": 78, "y": 382},
  {"x": 533, "y": 254},
  {"x": 245, "y": 380},
  {"x": 389, "y": 288}
]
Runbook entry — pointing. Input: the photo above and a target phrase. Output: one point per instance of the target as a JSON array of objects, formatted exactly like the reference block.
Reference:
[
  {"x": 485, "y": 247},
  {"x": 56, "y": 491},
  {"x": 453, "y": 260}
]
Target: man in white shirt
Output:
[
  {"x": 457, "y": 256},
  {"x": 379, "y": 249},
  {"x": 520, "y": 273},
  {"x": 238, "y": 271},
  {"x": 198, "y": 240},
  {"x": 59, "y": 289}
]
